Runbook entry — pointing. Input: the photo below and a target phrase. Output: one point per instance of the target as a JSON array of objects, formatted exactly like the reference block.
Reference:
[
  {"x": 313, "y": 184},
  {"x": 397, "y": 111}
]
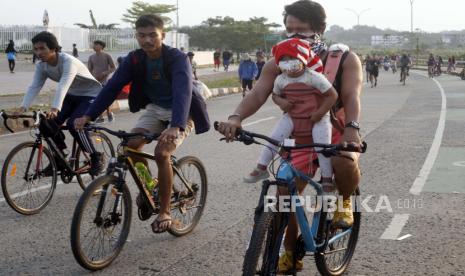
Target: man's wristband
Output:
[{"x": 234, "y": 115}]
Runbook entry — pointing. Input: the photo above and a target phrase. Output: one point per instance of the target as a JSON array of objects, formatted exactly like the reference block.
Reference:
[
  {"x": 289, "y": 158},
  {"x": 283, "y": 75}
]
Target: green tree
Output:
[
  {"x": 94, "y": 24},
  {"x": 140, "y": 8},
  {"x": 227, "y": 33}
]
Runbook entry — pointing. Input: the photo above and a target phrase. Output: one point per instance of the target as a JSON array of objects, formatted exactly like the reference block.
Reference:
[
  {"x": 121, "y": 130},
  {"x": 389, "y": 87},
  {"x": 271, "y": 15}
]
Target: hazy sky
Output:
[{"x": 429, "y": 15}]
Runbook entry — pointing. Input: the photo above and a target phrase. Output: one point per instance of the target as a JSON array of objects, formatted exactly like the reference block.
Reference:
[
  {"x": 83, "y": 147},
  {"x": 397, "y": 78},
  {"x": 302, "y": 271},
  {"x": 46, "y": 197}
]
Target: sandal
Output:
[{"x": 156, "y": 225}]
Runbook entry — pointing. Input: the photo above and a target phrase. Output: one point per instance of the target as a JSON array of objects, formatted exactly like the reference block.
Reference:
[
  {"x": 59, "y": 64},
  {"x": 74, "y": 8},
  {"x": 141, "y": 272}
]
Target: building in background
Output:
[{"x": 387, "y": 40}]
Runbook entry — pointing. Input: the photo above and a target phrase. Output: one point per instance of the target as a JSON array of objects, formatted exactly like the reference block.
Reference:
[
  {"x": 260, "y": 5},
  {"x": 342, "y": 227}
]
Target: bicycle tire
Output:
[
  {"x": 320, "y": 257},
  {"x": 269, "y": 225},
  {"x": 97, "y": 187},
  {"x": 10, "y": 198},
  {"x": 79, "y": 155},
  {"x": 195, "y": 162}
]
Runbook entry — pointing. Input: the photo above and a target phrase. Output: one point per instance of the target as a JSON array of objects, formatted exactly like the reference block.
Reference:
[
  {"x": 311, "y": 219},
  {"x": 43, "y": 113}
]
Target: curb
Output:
[{"x": 122, "y": 105}]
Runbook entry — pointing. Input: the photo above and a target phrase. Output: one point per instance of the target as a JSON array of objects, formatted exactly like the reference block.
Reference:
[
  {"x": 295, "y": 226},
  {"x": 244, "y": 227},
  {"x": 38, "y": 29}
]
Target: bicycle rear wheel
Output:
[
  {"x": 333, "y": 259},
  {"x": 101, "y": 223},
  {"x": 187, "y": 209},
  {"x": 82, "y": 162},
  {"x": 29, "y": 178}
]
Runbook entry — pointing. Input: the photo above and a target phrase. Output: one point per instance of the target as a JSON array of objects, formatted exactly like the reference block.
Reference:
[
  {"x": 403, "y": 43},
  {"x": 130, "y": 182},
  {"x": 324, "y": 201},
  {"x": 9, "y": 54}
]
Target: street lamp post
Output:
[
  {"x": 358, "y": 14},
  {"x": 411, "y": 15},
  {"x": 177, "y": 23}
]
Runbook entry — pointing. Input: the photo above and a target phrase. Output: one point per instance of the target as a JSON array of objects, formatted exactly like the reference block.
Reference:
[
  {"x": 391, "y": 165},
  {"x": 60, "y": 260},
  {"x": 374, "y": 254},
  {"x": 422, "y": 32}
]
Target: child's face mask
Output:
[{"x": 290, "y": 66}]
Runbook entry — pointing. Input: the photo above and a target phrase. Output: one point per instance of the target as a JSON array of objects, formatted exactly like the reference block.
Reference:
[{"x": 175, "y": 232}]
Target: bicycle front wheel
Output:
[
  {"x": 29, "y": 178},
  {"x": 334, "y": 258},
  {"x": 261, "y": 257},
  {"x": 103, "y": 145},
  {"x": 101, "y": 222},
  {"x": 190, "y": 192}
]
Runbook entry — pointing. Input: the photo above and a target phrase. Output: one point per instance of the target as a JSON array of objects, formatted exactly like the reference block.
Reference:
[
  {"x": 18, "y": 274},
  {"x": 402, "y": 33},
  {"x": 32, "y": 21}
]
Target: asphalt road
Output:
[{"x": 421, "y": 235}]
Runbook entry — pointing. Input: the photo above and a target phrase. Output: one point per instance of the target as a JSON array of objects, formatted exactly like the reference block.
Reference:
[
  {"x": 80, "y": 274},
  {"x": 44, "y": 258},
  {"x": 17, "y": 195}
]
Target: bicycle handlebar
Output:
[
  {"x": 247, "y": 138},
  {"x": 36, "y": 115},
  {"x": 122, "y": 134}
]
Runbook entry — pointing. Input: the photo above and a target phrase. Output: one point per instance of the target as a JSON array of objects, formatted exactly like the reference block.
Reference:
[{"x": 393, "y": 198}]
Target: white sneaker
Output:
[{"x": 256, "y": 175}]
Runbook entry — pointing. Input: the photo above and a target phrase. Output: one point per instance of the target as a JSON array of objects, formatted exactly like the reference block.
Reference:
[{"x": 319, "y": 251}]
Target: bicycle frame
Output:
[
  {"x": 124, "y": 157},
  {"x": 287, "y": 173},
  {"x": 58, "y": 153}
]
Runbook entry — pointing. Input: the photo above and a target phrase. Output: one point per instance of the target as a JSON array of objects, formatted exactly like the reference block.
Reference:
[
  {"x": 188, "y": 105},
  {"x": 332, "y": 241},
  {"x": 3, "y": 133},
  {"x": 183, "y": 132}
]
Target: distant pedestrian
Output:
[
  {"x": 193, "y": 64},
  {"x": 226, "y": 59},
  {"x": 75, "y": 51},
  {"x": 451, "y": 64},
  {"x": 247, "y": 72},
  {"x": 216, "y": 60},
  {"x": 11, "y": 56},
  {"x": 101, "y": 65},
  {"x": 260, "y": 63},
  {"x": 367, "y": 66},
  {"x": 439, "y": 65},
  {"x": 373, "y": 65}
]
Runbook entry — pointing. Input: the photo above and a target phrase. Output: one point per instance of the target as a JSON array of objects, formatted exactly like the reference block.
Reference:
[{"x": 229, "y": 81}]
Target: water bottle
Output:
[
  {"x": 145, "y": 176},
  {"x": 282, "y": 250}
]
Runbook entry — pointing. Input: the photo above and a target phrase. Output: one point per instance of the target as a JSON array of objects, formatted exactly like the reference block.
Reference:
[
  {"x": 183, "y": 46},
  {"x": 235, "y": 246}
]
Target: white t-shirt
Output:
[
  {"x": 72, "y": 76},
  {"x": 309, "y": 77}
]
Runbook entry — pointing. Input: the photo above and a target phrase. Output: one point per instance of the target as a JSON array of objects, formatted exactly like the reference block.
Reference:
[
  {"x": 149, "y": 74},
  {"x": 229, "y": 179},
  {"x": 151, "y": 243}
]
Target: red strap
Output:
[{"x": 332, "y": 65}]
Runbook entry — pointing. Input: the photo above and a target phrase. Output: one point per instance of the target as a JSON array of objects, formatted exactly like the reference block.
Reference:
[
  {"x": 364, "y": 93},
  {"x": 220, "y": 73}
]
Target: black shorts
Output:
[
  {"x": 247, "y": 83},
  {"x": 374, "y": 73}
]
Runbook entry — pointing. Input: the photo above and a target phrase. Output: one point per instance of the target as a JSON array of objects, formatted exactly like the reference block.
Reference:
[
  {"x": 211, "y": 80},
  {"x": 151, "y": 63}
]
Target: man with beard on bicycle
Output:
[
  {"x": 76, "y": 90},
  {"x": 161, "y": 79},
  {"x": 306, "y": 19}
]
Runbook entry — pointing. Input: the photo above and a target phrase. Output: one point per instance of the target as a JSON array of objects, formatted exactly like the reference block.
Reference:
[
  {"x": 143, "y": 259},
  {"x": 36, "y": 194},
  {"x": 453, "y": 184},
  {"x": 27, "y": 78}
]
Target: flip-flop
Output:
[{"x": 156, "y": 225}]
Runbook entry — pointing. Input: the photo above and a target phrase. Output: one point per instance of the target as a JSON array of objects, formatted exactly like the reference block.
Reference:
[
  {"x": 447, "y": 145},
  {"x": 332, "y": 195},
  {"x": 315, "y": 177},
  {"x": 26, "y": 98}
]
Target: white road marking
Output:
[
  {"x": 404, "y": 237},
  {"x": 395, "y": 227},
  {"x": 434, "y": 150},
  {"x": 459, "y": 163},
  {"x": 13, "y": 196},
  {"x": 13, "y": 134},
  {"x": 258, "y": 121}
]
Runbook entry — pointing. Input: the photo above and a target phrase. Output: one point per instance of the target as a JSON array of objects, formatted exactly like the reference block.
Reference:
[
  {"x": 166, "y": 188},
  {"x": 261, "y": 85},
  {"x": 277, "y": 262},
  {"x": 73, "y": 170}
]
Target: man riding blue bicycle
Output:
[
  {"x": 305, "y": 19},
  {"x": 161, "y": 79}
]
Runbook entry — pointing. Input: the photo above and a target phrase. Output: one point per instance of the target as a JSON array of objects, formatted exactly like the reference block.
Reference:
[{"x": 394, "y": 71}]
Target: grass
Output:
[{"x": 223, "y": 83}]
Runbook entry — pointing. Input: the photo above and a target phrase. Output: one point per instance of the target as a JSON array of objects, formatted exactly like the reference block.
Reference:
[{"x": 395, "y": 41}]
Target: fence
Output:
[
  {"x": 116, "y": 40},
  {"x": 21, "y": 35}
]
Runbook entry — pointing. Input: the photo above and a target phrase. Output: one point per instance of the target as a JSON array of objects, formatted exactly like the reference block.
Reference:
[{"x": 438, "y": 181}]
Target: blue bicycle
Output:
[{"x": 333, "y": 248}]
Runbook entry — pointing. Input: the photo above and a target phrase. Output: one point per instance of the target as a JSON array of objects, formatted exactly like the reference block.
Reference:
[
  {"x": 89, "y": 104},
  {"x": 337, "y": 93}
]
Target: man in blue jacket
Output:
[
  {"x": 248, "y": 70},
  {"x": 161, "y": 79}
]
